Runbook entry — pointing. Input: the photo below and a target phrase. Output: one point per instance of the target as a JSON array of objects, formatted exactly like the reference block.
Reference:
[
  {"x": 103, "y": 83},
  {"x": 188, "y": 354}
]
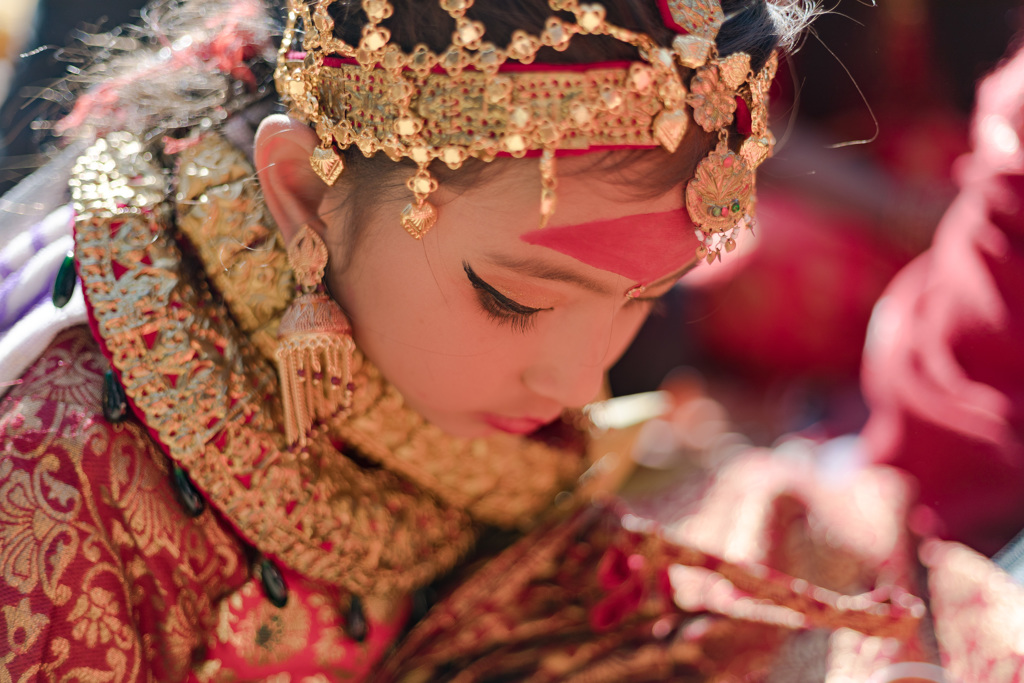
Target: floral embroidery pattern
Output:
[
  {"x": 23, "y": 627},
  {"x": 97, "y": 619},
  {"x": 36, "y": 540}
]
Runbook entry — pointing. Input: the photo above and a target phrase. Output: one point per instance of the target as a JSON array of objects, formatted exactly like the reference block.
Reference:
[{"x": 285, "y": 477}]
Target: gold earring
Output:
[
  {"x": 718, "y": 199},
  {"x": 315, "y": 345}
]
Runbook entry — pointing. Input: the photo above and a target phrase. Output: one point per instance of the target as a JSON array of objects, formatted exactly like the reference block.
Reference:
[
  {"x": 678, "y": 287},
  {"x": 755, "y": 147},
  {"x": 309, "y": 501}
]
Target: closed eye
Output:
[{"x": 500, "y": 308}]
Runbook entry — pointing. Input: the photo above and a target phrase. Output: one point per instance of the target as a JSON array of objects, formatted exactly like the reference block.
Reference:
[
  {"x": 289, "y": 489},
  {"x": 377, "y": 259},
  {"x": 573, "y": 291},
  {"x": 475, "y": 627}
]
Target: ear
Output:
[{"x": 292, "y": 190}]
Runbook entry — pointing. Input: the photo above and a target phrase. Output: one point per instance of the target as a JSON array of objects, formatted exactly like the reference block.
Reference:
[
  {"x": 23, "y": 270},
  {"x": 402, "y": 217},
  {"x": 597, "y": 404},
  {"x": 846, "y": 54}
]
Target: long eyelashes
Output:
[
  {"x": 519, "y": 322},
  {"x": 500, "y": 308}
]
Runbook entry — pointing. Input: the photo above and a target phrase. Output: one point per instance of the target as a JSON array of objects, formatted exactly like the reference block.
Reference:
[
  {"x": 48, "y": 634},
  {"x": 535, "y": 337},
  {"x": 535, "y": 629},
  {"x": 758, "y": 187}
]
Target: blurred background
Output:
[
  {"x": 871, "y": 115},
  {"x": 776, "y": 331},
  {"x": 40, "y": 42}
]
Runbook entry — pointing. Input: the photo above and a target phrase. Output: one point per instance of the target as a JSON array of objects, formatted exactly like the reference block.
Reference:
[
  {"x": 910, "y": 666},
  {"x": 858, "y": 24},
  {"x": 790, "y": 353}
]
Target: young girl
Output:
[{"x": 309, "y": 410}]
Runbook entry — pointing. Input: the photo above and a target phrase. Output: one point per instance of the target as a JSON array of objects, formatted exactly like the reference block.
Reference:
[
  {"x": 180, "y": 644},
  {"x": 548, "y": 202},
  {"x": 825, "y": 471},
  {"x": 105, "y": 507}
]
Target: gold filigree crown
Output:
[{"x": 476, "y": 99}]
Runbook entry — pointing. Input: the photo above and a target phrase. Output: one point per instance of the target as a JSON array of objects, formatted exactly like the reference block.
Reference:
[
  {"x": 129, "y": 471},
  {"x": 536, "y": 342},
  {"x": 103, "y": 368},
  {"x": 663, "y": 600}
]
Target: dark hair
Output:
[{"x": 749, "y": 27}]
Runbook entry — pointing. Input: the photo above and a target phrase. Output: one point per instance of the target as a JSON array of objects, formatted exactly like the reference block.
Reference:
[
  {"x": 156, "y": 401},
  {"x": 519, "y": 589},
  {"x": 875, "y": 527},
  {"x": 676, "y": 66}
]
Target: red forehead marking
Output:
[{"x": 641, "y": 248}]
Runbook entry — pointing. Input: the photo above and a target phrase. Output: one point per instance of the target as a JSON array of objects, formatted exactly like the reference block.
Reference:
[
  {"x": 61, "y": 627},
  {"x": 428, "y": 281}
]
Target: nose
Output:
[
  {"x": 571, "y": 385},
  {"x": 570, "y": 365}
]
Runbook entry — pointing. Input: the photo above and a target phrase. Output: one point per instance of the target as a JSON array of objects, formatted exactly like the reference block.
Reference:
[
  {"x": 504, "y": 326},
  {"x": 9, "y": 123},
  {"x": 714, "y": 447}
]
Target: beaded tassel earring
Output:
[{"x": 315, "y": 347}]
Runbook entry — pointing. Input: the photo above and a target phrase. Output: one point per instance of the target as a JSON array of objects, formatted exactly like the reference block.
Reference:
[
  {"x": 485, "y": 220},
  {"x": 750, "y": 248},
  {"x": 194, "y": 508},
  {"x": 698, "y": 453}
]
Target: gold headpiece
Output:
[{"x": 472, "y": 100}]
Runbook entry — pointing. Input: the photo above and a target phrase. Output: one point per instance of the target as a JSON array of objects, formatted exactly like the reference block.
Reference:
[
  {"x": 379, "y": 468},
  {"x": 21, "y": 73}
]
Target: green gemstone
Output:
[
  {"x": 187, "y": 493},
  {"x": 274, "y": 586},
  {"x": 115, "y": 404},
  {"x": 716, "y": 211},
  {"x": 64, "y": 287}
]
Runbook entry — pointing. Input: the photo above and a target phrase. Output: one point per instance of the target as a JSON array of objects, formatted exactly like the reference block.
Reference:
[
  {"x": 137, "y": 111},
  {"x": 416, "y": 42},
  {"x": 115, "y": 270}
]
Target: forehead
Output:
[{"x": 509, "y": 190}]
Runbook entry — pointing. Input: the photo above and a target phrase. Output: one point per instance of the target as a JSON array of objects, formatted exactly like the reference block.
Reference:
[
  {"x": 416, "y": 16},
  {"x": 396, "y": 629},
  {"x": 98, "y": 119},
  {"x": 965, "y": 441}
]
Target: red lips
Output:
[{"x": 514, "y": 425}]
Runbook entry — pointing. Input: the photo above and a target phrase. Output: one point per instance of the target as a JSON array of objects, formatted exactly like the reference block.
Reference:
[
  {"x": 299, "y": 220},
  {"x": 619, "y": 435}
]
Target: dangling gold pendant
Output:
[
  {"x": 314, "y": 362},
  {"x": 719, "y": 194},
  {"x": 670, "y": 127},
  {"x": 418, "y": 219},
  {"x": 327, "y": 164}
]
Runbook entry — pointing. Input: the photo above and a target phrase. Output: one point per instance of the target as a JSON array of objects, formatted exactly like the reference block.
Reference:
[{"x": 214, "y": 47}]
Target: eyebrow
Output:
[{"x": 546, "y": 271}]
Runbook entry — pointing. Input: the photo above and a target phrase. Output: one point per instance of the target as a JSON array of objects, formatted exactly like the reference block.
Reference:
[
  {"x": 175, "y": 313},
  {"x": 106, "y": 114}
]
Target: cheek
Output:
[
  {"x": 628, "y": 323},
  {"x": 582, "y": 343},
  {"x": 427, "y": 334}
]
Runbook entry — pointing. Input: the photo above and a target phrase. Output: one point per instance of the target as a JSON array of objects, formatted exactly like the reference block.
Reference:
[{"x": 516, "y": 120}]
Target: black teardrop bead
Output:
[
  {"x": 187, "y": 493},
  {"x": 355, "y": 623},
  {"x": 115, "y": 404},
  {"x": 64, "y": 286},
  {"x": 422, "y": 601},
  {"x": 274, "y": 586}
]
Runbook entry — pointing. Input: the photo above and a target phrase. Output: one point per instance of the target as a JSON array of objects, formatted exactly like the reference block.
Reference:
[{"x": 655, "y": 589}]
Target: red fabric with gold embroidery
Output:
[{"x": 104, "y": 576}]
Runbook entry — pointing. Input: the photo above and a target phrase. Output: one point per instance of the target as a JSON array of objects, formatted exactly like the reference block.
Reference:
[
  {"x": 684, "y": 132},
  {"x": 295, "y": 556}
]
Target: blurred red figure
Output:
[{"x": 944, "y": 371}]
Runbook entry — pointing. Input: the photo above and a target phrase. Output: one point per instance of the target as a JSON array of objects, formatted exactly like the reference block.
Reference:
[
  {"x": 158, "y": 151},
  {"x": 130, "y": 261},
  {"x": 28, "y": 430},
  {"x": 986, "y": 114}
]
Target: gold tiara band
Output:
[{"x": 473, "y": 114}]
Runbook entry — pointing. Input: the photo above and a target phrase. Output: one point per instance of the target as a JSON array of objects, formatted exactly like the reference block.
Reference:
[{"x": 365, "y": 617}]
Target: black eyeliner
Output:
[{"x": 513, "y": 306}]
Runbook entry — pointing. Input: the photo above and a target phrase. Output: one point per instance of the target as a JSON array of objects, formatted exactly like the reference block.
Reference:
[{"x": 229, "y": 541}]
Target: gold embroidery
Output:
[
  {"x": 118, "y": 671},
  {"x": 83, "y": 507},
  {"x": 234, "y": 236},
  {"x": 97, "y": 618},
  {"x": 37, "y": 539},
  {"x": 67, "y": 373},
  {"x": 23, "y": 627},
  {"x": 328, "y": 648},
  {"x": 134, "y": 486},
  {"x": 210, "y": 670}
]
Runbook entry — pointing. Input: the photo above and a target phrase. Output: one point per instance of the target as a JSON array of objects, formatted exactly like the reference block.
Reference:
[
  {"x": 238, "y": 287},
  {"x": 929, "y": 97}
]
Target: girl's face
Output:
[{"x": 480, "y": 331}]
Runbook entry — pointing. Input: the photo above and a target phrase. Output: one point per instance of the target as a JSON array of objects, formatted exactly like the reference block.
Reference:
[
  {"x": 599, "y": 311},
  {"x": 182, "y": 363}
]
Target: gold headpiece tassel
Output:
[{"x": 315, "y": 345}]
